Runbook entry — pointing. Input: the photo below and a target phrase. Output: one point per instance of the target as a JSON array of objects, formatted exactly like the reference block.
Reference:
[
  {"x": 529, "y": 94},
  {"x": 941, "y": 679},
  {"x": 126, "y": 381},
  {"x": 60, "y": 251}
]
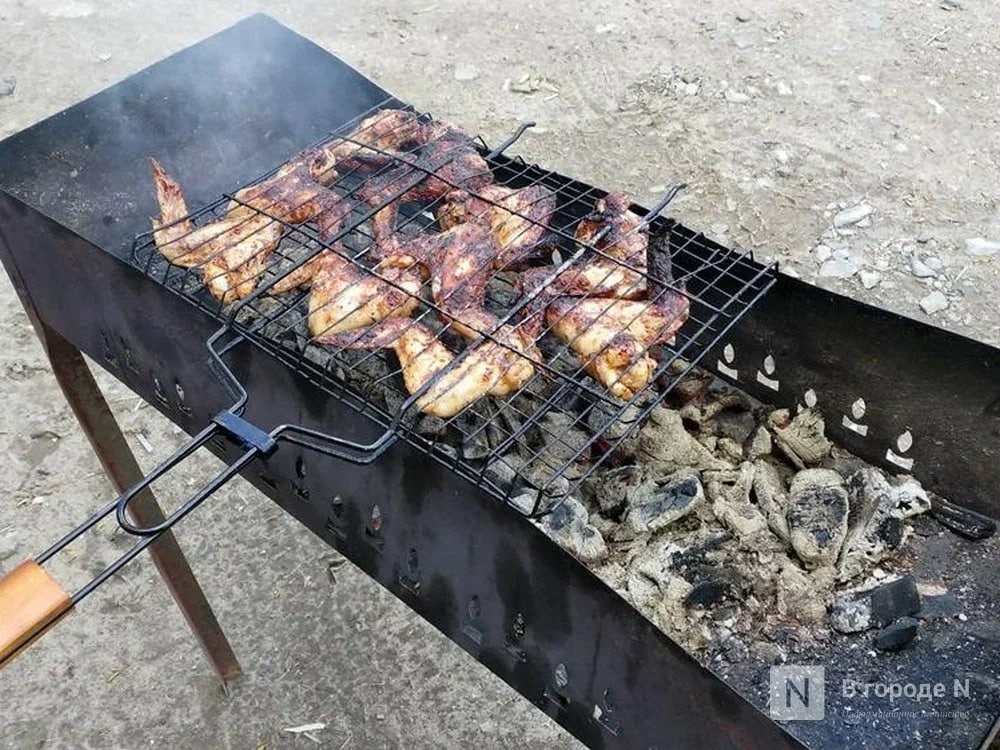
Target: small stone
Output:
[
  {"x": 898, "y": 635},
  {"x": 934, "y": 302},
  {"x": 823, "y": 253},
  {"x": 978, "y": 246},
  {"x": 783, "y": 89},
  {"x": 935, "y": 264},
  {"x": 661, "y": 505},
  {"x": 8, "y": 547},
  {"x": 895, "y": 599},
  {"x": 962, "y": 617},
  {"x": 7, "y": 86},
  {"x": 103, "y": 57},
  {"x": 817, "y": 516},
  {"x": 736, "y": 97},
  {"x": 839, "y": 269},
  {"x": 744, "y": 16},
  {"x": 465, "y": 72},
  {"x": 852, "y": 215},
  {"x": 851, "y": 612},
  {"x": 870, "y": 279},
  {"x": 920, "y": 269}
]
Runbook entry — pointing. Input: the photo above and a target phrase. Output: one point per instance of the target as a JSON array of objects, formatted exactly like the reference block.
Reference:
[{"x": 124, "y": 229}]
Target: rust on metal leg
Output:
[{"x": 105, "y": 436}]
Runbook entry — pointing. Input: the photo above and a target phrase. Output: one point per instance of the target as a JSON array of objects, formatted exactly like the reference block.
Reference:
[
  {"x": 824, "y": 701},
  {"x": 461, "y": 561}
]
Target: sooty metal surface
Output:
[{"x": 471, "y": 566}]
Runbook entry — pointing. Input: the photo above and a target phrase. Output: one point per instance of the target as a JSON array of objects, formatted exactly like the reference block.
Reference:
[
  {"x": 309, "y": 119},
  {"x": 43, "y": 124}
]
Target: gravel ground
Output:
[{"x": 778, "y": 116}]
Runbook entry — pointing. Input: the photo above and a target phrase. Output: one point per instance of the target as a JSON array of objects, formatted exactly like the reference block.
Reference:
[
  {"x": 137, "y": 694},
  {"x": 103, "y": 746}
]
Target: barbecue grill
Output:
[{"x": 248, "y": 378}]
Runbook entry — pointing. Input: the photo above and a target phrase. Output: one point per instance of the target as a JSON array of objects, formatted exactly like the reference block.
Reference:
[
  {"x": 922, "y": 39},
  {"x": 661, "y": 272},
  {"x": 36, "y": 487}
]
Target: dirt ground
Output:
[{"x": 776, "y": 115}]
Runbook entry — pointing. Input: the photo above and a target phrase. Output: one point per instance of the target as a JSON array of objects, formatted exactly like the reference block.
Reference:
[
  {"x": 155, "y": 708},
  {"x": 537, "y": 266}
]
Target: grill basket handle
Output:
[{"x": 31, "y": 602}]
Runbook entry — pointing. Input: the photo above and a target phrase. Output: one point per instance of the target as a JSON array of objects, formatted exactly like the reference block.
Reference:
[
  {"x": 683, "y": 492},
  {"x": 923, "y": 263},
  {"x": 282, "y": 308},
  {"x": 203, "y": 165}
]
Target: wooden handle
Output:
[{"x": 31, "y": 601}]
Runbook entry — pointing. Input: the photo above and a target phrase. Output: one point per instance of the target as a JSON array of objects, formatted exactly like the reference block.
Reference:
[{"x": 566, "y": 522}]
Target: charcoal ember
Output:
[
  {"x": 760, "y": 444},
  {"x": 898, "y": 635},
  {"x": 802, "y": 594},
  {"x": 666, "y": 446},
  {"x": 729, "y": 492},
  {"x": 803, "y": 439},
  {"x": 569, "y": 526},
  {"x": 502, "y": 471},
  {"x": 851, "y": 612},
  {"x": 604, "y": 420},
  {"x": 715, "y": 586},
  {"x": 877, "y": 526},
  {"x": 693, "y": 387},
  {"x": 962, "y": 521},
  {"x": 501, "y": 291},
  {"x": 895, "y": 599},
  {"x": 729, "y": 450},
  {"x": 479, "y": 437},
  {"x": 656, "y": 505},
  {"x": 772, "y": 497},
  {"x": 611, "y": 488},
  {"x": 936, "y": 607},
  {"x": 738, "y": 426},
  {"x": 817, "y": 516},
  {"x": 432, "y": 427},
  {"x": 843, "y": 463},
  {"x": 566, "y": 446}
]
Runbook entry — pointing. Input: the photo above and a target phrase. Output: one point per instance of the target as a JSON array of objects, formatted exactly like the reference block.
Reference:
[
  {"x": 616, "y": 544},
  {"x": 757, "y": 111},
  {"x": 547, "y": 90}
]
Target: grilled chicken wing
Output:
[
  {"x": 344, "y": 297},
  {"x": 517, "y": 218},
  {"x": 611, "y": 337},
  {"x": 232, "y": 251},
  {"x": 622, "y": 236},
  {"x": 374, "y": 143},
  {"x": 487, "y": 368},
  {"x": 445, "y": 164}
]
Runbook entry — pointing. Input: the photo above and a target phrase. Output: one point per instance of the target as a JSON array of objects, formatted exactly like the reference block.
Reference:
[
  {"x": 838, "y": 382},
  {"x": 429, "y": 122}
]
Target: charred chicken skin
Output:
[
  {"x": 614, "y": 230},
  {"x": 517, "y": 218}
]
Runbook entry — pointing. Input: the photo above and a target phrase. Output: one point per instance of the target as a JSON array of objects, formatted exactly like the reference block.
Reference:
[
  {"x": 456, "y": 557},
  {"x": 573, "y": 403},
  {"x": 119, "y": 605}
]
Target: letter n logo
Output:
[{"x": 797, "y": 692}]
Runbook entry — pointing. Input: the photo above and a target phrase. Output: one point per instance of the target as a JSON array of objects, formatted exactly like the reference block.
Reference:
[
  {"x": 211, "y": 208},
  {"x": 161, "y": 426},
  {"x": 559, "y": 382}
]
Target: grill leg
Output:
[{"x": 105, "y": 436}]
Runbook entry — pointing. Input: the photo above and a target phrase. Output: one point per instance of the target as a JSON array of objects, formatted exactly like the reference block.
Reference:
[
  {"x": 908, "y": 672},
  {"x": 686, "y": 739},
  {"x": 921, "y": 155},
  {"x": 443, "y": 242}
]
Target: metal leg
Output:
[{"x": 105, "y": 436}]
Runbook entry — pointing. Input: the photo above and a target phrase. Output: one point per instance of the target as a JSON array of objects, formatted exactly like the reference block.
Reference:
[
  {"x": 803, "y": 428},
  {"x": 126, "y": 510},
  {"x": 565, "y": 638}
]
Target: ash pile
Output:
[{"x": 729, "y": 524}]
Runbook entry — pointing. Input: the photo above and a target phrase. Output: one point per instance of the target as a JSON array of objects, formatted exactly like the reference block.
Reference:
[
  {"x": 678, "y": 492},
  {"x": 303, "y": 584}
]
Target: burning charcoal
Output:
[
  {"x": 502, "y": 471},
  {"x": 940, "y": 606},
  {"x": 760, "y": 444},
  {"x": 729, "y": 449},
  {"x": 802, "y": 595},
  {"x": 603, "y": 420},
  {"x": 666, "y": 446},
  {"x": 896, "y": 599},
  {"x": 898, "y": 635},
  {"x": 714, "y": 586},
  {"x": 803, "y": 440},
  {"x": 655, "y": 506},
  {"x": 611, "y": 488},
  {"x": 876, "y": 524},
  {"x": 817, "y": 516},
  {"x": 432, "y": 427},
  {"x": 772, "y": 497},
  {"x": 851, "y": 612},
  {"x": 736, "y": 425},
  {"x": 729, "y": 492},
  {"x": 962, "y": 521},
  {"x": 569, "y": 526}
]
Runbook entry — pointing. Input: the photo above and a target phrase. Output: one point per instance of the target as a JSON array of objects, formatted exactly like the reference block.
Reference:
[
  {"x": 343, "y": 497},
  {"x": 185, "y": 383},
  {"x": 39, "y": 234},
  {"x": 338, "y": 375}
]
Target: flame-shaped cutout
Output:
[
  {"x": 728, "y": 353},
  {"x": 858, "y": 408},
  {"x": 904, "y": 442},
  {"x": 810, "y": 398},
  {"x": 769, "y": 364}
]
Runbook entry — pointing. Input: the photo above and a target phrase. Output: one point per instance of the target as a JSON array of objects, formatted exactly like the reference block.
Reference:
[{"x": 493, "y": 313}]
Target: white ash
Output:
[{"x": 725, "y": 522}]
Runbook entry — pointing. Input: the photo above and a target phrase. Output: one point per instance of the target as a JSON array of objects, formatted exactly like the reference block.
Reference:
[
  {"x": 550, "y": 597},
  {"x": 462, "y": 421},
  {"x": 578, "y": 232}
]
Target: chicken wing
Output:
[
  {"x": 487, "y": 368},
  {"x": 611, "y": 337},
  {"x": 346, "y": 297},
  {"x": 622, "y": 238},
  {"x": 518, "y": 218}
]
